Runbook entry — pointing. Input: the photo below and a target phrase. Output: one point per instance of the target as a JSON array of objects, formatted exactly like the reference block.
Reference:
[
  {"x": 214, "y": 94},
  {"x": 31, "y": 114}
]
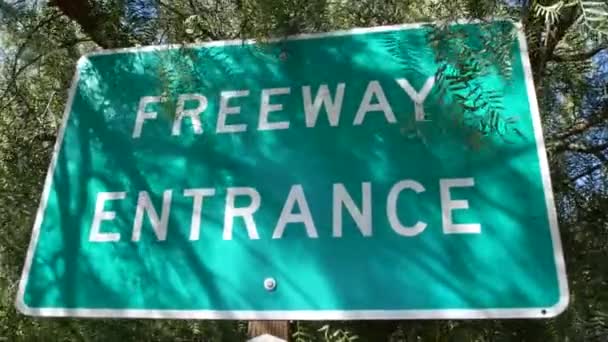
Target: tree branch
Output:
[
  {"x": 580, "y": 127},
  {"x": 172, "y": 9},
  {"x": 581, "y": 148},
  {"x": 16, "y": 72},
  {"x": 578, "y": 56},
  {"x": 552, "y": 37},
  {"x": 103, "y": 28},
  {"x": 8, "y": 9},
  {"x": 566, "y": 140},
  {"x": 603, "y": 160},
  {"x": 525, "y": 11},
  {"x": 587, "y": 172}
]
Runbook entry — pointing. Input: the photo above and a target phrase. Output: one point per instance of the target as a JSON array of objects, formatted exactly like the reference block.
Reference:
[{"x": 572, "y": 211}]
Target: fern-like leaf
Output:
[
  {"x": 594, "y": 16},
  {"x": 550, "y": 13}
]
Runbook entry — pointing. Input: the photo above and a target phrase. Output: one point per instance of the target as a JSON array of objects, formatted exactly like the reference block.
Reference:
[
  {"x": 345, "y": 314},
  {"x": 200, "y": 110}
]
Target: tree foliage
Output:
[{"x": 40, "y": 43}]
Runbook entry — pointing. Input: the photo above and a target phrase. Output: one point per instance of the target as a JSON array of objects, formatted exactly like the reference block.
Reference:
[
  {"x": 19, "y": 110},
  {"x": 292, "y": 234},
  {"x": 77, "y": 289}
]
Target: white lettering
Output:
[
  {"x": 95, "y": 234},
  {"x": 448, "y": 204},
  {"x": 323, "y": 98},
  {"x": 142, "y": 115},
  {"x": 193, "y": 114},
  {"x": 374, "y": 89},
  {"x": 266, "y": 108},
  {"x": 246, "y": 212},
  {"x": 197, "y": 198},
  {"x": 391, "y": 208},
  {"x": 144, "y": 204},
  {"x": 362, "y": 217},
  {"x": 296, "y": 195},
  {"x": 226, "y": 110},
  {"x": 417, "y": 97}
]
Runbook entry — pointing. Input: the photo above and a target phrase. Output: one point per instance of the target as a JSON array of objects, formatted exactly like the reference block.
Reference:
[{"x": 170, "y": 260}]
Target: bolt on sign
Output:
[{"x": 392, "y": 172}]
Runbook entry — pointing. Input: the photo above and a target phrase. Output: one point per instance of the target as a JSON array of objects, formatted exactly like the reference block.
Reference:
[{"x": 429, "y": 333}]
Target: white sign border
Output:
[{"x": 541, "y": 312}]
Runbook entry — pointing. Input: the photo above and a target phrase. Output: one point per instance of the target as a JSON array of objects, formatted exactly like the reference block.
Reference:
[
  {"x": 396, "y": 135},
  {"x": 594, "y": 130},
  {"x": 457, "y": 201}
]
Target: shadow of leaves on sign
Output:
[{"x": 386, "y": 271}]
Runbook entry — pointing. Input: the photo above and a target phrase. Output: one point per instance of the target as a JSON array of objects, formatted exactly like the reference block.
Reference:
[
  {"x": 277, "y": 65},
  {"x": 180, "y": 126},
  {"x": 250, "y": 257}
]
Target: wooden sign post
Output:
[{"x": 279, "y": 329}]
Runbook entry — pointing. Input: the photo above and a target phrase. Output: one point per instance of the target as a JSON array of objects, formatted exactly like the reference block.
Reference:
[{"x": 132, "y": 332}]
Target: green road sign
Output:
[{"x": 358, "y": 174}]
